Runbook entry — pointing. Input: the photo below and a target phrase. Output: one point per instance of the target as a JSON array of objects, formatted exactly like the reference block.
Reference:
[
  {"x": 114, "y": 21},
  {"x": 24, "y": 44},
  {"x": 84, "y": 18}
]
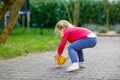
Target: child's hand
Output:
[
  {"x": 56, "y": 57},
  {"x": 60, "y": 60},
  {"x": 67, "y": 57}
]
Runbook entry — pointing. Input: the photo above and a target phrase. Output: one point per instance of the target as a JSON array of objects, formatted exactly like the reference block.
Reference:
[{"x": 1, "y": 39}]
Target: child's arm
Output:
[{"x": 56, "y": 57}]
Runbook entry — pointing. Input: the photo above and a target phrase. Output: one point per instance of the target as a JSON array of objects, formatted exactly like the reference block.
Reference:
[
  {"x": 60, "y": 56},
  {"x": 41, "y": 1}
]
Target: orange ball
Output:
[{"x": 61, "y": 60}]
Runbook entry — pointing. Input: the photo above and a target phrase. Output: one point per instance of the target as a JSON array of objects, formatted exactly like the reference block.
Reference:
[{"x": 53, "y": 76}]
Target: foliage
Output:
[
  {"x": 117, "y": 28},
  {"x": 114, "y": 10},
  {"x": 47, "y": 13},
  {"x": 102, "y": 29},
  {"x": 96, "y": 27},
  {"x": 1, "y": 4},
  {"x": 21, "y": 43},
  {"x": 92, "y": 27},
  {"x": 92, "y": 12}
]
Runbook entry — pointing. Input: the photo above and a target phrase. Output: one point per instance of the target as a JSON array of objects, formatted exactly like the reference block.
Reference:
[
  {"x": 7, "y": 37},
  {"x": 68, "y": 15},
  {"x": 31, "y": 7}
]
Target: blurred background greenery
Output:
[
  {"x": 21, "y": 43},
  {"x": 47, "y": 13},
  {"x": 96, "y": 15}
]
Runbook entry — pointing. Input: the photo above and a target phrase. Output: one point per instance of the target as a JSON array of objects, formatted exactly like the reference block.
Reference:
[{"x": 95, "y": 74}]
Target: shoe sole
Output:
[{"x": 72, "y": 70}]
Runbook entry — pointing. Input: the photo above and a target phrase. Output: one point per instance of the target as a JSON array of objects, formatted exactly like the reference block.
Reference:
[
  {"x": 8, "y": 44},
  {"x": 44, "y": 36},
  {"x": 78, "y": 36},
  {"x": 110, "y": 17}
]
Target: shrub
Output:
[
  {"x": 1, "y": 4},
  {"x": 92, "y": 27},
  {"x": 117, "y": 28},
  {"x": 102, "y": 29},
  {"x": 47, "y": 13}
]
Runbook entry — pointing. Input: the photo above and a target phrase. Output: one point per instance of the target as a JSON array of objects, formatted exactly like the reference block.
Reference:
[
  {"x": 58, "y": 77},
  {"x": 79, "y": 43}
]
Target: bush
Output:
[
  {"x": 47, "y": 13},
  {"x": 117, "y": 28},
  {"x": 102, "y": 29},
  {"x": 92, "y": 27},
  {"x": 1, "y": 4}
]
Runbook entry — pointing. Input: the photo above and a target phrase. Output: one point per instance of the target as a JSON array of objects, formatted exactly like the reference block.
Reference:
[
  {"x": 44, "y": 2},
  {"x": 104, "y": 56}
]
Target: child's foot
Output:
[
  {"x": 82, "y": 64},
  {"x": 73, "y": 67}
]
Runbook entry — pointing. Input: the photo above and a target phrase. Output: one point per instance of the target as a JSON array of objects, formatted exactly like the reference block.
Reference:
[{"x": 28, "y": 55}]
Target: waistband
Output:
[{"x": 91, "y": 35}]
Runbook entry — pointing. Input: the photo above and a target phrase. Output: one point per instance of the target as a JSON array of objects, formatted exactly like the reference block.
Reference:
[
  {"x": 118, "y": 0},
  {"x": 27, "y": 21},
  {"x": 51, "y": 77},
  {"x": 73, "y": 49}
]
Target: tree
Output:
[
  {"x": 73, "y": 10},
  {"x": 13, "y": 6},
  {"x": 106, "y": 7}
]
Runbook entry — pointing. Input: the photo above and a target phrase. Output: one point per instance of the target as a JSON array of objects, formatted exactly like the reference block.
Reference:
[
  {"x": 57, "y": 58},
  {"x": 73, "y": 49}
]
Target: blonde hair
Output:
[{"x": 62, "y": 24}]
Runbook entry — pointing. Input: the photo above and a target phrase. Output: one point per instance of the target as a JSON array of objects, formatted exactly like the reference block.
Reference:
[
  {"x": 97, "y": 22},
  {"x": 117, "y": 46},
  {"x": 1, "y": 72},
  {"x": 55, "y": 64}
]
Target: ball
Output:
[{"x": 61, "y": 60}]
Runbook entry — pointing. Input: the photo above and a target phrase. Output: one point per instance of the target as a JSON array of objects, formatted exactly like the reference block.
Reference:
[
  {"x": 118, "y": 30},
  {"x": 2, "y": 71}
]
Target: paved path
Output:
[{"x": 103, "y": 63}]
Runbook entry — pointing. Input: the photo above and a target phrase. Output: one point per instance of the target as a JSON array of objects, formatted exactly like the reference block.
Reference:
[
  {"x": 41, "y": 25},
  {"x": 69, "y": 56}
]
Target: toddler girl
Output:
[{"x": 80, "y": 38}]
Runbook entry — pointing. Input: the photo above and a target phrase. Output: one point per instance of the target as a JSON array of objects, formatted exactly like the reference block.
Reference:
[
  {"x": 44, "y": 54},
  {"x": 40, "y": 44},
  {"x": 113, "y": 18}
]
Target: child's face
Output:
[{"x": 61, "y": 32}]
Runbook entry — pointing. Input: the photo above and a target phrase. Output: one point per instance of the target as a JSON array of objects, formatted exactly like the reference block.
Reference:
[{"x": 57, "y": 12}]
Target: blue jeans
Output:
[{"x": 75, "y": 49}]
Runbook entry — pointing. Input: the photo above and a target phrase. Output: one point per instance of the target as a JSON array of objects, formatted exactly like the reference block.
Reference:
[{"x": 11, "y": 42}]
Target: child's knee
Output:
[{"x": 70, "y": 47}]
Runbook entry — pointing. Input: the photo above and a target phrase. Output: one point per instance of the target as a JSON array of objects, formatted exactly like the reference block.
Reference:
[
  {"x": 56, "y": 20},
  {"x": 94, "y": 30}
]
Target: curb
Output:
[{"x": 108, "y": 35}]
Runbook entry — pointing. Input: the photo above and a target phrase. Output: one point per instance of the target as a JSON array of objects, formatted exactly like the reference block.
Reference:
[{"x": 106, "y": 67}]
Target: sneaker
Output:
[
  {"x": 82, "y": 64},
  {"x": 73, "y": 67}
]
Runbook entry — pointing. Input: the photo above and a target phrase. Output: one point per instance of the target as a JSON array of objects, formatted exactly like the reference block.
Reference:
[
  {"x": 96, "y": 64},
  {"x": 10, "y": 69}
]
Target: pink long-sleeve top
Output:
[{"x": 72, "y": 34}]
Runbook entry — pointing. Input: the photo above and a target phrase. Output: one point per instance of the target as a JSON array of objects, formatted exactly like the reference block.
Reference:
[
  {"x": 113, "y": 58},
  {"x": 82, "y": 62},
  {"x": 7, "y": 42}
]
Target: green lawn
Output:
[{"x": 20, "y": 43}]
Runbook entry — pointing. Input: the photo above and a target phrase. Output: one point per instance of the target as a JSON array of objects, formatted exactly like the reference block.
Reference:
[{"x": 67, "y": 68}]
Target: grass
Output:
[{"x": 20, "y": 42}]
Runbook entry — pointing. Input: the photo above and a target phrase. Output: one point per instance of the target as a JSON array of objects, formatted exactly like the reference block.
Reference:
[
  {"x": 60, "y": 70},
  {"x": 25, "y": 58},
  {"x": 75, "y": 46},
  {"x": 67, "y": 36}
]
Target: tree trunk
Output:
[
  {"x": 12, "y": 19},
  {"x": 106, "y": 6},
  {"x": 68, "y": 12},
  {"x": 76, "y": 12},
  {"x": 8, "y": 5},
  {"x": 73, "y": 15}
]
